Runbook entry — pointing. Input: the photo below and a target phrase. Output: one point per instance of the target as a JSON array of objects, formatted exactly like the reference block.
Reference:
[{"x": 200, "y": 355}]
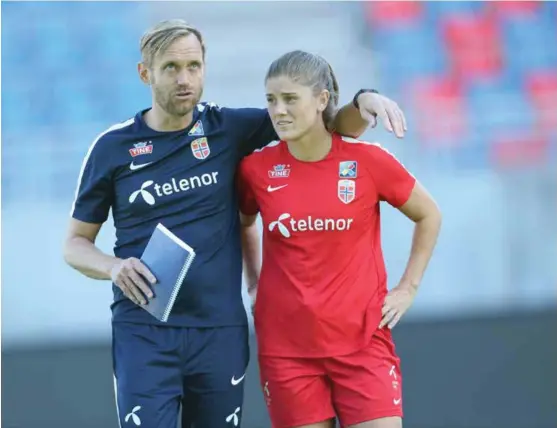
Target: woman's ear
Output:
[{"x": 324, "y": 98}]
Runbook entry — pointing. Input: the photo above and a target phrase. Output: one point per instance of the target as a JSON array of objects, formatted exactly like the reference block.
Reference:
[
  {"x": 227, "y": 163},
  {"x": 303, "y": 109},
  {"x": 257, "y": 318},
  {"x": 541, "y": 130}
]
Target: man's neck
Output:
[
  {"x": 159, "y": 120},
  {"x": 313, "y": 146}
]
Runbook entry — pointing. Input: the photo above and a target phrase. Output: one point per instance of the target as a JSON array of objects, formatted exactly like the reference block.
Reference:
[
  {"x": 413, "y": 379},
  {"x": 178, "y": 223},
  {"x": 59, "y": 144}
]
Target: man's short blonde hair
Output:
[{"x": 159, "y": 37}]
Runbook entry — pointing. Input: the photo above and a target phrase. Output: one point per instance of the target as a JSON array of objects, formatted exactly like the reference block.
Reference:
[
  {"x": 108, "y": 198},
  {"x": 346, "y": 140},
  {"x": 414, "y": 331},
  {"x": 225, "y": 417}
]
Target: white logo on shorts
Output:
[
  {"x": 234, "y": 417},
  {"x": 267, "y": 393},
  {"x": 395, "y": 383},
  {"x": 136, "y": 420},
  {"x": 392, "y": 372},
  {"x": 235, "y": 381}
]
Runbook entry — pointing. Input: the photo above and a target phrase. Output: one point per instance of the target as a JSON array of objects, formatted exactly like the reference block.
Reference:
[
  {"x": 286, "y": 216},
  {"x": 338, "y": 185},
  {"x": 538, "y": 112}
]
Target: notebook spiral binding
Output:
[{"x": 177, "y": 287}]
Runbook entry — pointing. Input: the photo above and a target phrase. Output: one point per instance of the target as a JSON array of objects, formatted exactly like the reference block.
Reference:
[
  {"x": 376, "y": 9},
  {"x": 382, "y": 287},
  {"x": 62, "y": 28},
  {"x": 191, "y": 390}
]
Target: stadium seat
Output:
[
  {"x": 541, "y": 88},
  {"x": 526, "y": 44},
  {"x": 474, "y": 48},
  {"x": 76, "y": 101},
  {"x": 61, "y": 50},
  {"x": 439, "y": 10},
  {"x": 514, "y": 8},
  {"x": 392, "y": 13},
  {"x": 498, "y": 106},
  {"x": 14, "y": 119},
  {"x": 413, "y": 51},
  {"x": 519, "y": 152},
  {"x": 440, "y": 111},
  {"x": 68, "y": 53}
]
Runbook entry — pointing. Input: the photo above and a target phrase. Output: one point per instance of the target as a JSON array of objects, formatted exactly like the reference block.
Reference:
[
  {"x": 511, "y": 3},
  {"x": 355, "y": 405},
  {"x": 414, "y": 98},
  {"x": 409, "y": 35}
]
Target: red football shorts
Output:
[{"x": 362, "y": 386}]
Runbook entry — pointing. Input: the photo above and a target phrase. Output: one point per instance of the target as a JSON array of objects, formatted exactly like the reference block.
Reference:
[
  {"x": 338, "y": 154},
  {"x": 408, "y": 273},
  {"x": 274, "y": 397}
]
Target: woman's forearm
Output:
[{"x": 425, "y": 236}]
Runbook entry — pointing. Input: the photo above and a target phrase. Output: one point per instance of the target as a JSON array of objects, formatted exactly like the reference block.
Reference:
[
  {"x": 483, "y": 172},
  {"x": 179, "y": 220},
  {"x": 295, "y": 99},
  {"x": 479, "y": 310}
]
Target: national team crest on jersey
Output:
[
  {"x": 141, "y": 148},
  {"x": 200, "y": 148},
  {"x": 348, "y": 169},
  {"x": 197, "y": 129},
  {"x": 346, "y": 190}
]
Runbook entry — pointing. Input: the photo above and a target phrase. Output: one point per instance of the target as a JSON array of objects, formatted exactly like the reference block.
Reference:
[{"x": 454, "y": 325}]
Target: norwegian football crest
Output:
[
  {"x": 346, "y": 190},
  {"x": 348, "y": 169},
  {"x": 279, "y": 171},
  {"x": 200, "y": 148},
  {"x": 197, "y": 129},
  {"x": 141, "y": 148}
]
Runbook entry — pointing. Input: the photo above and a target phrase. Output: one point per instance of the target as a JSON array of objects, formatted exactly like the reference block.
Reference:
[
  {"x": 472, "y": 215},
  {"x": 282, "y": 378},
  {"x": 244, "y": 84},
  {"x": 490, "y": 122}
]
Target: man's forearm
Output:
[
  {"x": 251, "y": 252},
  {"x": 84, "y": 256},
  {"x": 349, "y": 122},
  {"x": 423, "y": 243}
]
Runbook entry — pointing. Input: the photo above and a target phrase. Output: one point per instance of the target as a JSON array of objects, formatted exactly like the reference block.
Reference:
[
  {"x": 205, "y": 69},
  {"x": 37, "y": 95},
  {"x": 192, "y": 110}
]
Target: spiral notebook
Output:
[{"x": 169, "y": 259}]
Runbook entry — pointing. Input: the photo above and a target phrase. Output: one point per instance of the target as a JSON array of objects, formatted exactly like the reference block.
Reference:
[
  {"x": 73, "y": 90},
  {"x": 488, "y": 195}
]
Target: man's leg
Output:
[
  {"x": 217, "y": 359},
  {"x": 147, "y": 374}
]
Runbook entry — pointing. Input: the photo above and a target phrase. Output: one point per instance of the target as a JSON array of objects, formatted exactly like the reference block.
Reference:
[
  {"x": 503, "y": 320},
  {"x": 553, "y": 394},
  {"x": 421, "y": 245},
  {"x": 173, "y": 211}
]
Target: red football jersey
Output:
[{"x": 323, "y": 278}]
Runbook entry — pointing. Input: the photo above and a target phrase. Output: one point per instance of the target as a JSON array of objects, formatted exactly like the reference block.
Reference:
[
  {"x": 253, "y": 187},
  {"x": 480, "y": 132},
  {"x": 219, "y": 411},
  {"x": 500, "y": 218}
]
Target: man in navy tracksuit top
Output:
[{"x": 175, "y": 163}]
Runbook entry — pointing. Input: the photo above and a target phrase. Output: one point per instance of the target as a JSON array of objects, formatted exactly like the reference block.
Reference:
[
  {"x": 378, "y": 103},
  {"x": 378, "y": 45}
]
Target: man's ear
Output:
[{"x": 144, "y": 73}]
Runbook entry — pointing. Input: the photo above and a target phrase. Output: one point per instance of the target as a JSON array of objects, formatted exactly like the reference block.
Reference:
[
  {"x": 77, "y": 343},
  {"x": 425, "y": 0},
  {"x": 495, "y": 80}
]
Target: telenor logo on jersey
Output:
[
  {"x": 348, "y": 169},
  {"x": 200, "y": 148},
  {"x": 197, "y": 129},
  {"x": 346, "y": 190},
  {"x": 286, "y": 224},
  {"x": 279, "y": 171},
  {"x": 142, "y": 148}
]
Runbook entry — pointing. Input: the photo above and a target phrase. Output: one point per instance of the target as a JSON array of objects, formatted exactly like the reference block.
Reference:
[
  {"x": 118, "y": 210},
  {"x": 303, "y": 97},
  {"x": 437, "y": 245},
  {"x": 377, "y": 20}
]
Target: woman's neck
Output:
[{"x": 314, "y": 146}]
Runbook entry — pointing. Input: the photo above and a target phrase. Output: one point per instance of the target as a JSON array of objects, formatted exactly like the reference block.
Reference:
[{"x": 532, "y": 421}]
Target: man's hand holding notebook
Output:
[{"x": 168, "y": 259}]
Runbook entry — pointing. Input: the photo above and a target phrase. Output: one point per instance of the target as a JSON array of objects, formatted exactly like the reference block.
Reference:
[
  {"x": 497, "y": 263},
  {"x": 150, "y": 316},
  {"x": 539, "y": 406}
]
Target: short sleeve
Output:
[
  {"x": 393, "y": 181},
  {"x": 254, "y": 128},
  {"x": 246, "y": 196},
  {"x": 94, "y": 192}
]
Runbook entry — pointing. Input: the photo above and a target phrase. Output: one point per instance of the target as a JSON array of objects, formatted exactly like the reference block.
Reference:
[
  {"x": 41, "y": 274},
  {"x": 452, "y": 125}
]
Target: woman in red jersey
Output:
[{"x": 323, "y": 313}]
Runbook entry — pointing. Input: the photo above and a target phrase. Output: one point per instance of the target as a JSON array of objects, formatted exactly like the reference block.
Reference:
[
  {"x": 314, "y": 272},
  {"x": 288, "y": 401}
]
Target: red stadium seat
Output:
[
  {"x": 519, "y": 152},
  {"x": 474, "y": 46},
  {"x": 542, "y": 87},
  {"x": 514, "y": 8},
  {"x": 440, "y": 111},
  {"x": 542, "y": 90},
  {"x": 387, "y": 13}
]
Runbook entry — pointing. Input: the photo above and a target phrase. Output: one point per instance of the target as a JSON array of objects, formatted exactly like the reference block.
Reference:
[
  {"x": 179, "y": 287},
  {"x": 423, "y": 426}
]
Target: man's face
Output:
[{"x": 176, "y": 76}]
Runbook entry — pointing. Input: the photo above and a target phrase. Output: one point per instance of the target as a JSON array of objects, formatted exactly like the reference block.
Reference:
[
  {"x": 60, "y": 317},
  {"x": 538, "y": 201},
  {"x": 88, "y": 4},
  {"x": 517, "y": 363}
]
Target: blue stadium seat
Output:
[
  {"x": 133, "y": 96},
  {"x": 15, "y": 109},
  {"x": 76, "y": 101},
  {"x": 473, "y": 154},
  {"x": 58, "y": 51},
  {"x": 498, "y": 107},
  {"x": 527, "y": 46},
  {"x": 411, "y": 51},
  {"x": 437, "y": 10},
  {"x": 80, "y": 55}
]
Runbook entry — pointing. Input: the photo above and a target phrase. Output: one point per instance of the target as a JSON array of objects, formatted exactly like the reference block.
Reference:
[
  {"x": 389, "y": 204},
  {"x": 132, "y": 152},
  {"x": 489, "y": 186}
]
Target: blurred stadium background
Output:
[{"x": 478, "y": 83}]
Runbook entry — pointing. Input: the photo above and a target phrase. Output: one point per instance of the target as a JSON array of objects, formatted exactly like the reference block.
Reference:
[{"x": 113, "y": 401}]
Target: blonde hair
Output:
[
  {"x": 309, "y": 70},
  {"x": 159, "y": 37}
]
